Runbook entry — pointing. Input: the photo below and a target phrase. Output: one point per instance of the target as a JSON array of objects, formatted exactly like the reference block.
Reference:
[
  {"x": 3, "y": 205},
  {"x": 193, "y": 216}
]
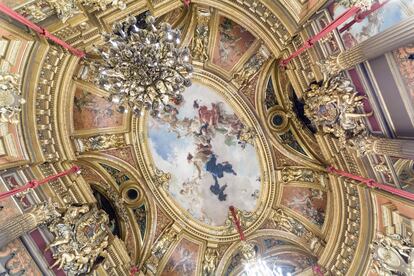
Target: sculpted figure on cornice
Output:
[
  {"x": 392, "y": 254},
  {"x": 159, "y": 249},
  {"x": 10, "y": 100},
  {"x": 81, "y": 235},
  {"x": 99, "y": 142},
  {"x": 284, "y": 222},
  {"x": 291, "y": 174},
  {"x": 334, "y": 106},
  {"x": 251, "y": 67},
  {"x": 200, "y": 40},
  {"x": 210, "y": 262}
]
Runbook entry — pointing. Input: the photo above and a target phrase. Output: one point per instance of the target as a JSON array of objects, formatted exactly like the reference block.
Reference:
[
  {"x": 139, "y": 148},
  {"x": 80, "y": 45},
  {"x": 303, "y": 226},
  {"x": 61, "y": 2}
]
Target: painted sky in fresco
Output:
[
  {"x": 210, "y": 168},
  {"x": 389, "y": 15}
]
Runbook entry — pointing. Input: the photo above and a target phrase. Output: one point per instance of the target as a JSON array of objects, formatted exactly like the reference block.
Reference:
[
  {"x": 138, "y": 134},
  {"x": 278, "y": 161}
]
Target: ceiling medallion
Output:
[
  {"x": 10, "y": 99},
  {"x": 144, "y": 68}
]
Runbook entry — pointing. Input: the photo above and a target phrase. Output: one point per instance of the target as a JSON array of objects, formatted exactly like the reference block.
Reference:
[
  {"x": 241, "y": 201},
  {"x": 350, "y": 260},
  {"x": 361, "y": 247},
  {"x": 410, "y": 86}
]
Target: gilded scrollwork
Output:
[
  {"x": 251, "y": 67},
  {"x": 246, "y": 219},
  {"x": 335, "y": 107},
  {"x": 99, "y": 142},
  {"x": 162, "y": 179},
  {"x": 200, "y": 40},
  {"x": 81, "y": 235}
]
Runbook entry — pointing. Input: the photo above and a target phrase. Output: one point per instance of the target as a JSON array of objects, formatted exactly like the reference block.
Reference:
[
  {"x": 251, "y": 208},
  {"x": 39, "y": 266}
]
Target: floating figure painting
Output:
[{"x": 199, "y": 145}]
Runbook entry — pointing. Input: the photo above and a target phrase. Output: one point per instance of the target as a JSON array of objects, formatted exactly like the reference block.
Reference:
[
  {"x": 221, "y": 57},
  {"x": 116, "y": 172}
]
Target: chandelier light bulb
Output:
[{"x": 143, "y": 68}]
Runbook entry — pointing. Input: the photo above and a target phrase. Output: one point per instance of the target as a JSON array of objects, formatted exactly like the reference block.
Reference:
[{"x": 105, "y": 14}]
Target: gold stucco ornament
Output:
[
  {"x": 81, "y": 236},
  {"x": 10, "y": 99},
  {"x": 66, "y": 9},
  {"x": 336, "y": 108}
]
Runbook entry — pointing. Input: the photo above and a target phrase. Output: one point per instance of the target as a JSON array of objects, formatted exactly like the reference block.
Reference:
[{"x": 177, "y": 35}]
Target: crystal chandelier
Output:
[
  {"x": 10, "y": 99},
  {"x": 144, "y": 68},
  {"x": 253, "y": 264}
]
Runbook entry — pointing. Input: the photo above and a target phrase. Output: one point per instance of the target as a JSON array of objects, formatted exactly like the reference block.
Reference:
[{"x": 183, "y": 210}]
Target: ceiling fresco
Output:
[
  {"x": 232, "y": 42},
  {"x": 199, "y": 144},
  {"x": 238, "y": 137},
  {"x": 374, "y": 23}
]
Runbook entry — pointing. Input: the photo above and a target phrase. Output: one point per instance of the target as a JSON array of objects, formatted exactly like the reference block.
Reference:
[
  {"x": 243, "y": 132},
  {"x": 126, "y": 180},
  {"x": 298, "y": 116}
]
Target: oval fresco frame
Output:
[{"x": 251, "y": 221}]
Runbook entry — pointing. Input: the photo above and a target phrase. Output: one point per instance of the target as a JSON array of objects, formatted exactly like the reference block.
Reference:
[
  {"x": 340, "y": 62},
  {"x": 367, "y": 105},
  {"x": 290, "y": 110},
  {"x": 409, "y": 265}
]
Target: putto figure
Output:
[
  {"x": 81, "y": 236},
  {"x": 336, "y": 108}
]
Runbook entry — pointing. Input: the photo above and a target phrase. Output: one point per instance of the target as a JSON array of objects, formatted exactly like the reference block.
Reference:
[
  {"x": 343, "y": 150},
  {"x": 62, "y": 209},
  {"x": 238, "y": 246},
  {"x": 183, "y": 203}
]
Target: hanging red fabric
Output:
[
  {"x": 329, "y": 28},
  {"x": 41, "y": 31},
  {"x": 36, "y": 183},
  {"x": 371, "y": 183}
]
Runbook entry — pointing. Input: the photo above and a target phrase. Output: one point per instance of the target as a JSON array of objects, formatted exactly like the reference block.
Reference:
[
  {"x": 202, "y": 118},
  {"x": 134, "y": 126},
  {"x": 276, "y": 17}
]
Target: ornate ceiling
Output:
[{"x": 166, "y": 183}]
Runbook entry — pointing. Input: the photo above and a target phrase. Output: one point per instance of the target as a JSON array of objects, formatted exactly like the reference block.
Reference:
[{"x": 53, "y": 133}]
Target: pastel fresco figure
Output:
[
  {"x": 227, "y": 40},
  {"x": 218, "y": 190},
  {"x": 219, "y": 169},
  {"x": 185, "y": 264},
  {"x": 198, "y": 144}
]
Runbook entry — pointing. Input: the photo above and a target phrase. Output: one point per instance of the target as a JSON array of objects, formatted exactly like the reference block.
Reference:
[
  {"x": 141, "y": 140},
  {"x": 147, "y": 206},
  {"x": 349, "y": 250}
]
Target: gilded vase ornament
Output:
[
  {"x": 10, "y": 99},
  {"x": 81, "y": 236},
  {"x": 144, "y": 68}
]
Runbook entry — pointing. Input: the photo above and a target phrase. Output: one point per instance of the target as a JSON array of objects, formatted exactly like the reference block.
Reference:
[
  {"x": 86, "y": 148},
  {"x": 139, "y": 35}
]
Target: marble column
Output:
[
  {"x": 394, "y": 147},
  {"x": 392, "y": 38},
  {"x": 15, "y": 227}
]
